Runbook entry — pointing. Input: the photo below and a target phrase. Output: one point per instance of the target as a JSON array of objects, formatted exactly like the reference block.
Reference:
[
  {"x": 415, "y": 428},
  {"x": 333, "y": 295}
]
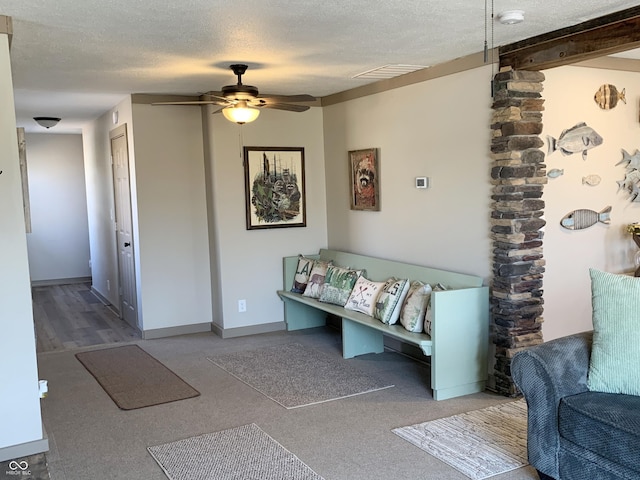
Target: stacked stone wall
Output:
[{"x": 518, "y": 175}]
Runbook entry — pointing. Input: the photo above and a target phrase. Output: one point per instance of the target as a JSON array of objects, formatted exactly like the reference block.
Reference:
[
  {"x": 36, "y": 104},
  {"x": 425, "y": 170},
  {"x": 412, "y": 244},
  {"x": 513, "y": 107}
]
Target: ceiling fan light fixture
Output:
[
  {"x": 240, "y": 113},
  {"x": 47, "y": 122},
  {"x": 511, "y": 17}
]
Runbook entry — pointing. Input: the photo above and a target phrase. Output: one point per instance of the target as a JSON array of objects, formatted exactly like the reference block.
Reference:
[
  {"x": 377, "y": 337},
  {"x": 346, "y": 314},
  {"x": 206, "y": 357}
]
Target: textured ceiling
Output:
[{"x": 77, "y": 59}]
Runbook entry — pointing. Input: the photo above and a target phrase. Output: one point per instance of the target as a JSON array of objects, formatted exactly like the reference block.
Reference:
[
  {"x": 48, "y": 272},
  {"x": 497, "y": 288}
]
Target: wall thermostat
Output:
[{"x": 422, "y": 182}]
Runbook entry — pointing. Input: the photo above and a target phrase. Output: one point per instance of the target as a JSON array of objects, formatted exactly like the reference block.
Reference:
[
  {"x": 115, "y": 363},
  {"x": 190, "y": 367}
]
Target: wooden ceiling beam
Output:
[
  {"x": 6, "y": 27},
  {"x": 606, "y": 35}
]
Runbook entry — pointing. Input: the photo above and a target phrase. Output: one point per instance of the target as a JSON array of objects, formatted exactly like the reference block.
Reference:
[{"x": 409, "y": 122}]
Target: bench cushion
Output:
[{"x": 603, "y": 423}]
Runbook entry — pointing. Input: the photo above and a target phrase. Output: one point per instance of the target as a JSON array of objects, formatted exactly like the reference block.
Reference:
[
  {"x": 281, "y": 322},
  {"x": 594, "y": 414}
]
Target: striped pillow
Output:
[{"x": 615, "y": 355}]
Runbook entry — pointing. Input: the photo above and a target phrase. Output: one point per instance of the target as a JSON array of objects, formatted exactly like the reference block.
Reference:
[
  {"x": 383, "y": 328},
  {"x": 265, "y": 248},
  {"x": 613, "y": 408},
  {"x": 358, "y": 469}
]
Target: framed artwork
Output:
[
  {"x": 274, "y": 187},
  {"x": 364, "y": 179}
]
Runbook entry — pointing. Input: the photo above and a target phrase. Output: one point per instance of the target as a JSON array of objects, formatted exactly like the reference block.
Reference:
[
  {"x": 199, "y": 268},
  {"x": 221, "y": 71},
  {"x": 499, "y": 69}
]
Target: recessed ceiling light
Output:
[{"x": 511, "y": 17}]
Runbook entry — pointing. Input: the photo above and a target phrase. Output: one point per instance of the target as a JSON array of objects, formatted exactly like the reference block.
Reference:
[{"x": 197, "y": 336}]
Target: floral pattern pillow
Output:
[
  {"x": 390, "y": 300},
  {"x": 364, "y": 295},
  {"x": 338, "y": 284}
]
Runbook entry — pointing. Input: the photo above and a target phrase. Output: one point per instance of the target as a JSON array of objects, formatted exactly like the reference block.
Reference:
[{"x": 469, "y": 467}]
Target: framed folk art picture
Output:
[
  {"x": 364, "y": 178},
  {"x": 274, "y": 187}
]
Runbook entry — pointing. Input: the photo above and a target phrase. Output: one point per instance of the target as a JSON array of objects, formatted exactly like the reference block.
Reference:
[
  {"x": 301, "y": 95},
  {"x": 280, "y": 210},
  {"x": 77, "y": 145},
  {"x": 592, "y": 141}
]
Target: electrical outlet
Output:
[
  {"x": 242, "y": 306},
  {"x": 108, "y": 285}
]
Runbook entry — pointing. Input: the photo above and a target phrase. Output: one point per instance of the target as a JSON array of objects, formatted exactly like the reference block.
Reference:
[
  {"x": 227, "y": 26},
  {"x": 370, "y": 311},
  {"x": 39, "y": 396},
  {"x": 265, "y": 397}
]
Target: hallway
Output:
[{"x": 70, "y": 316}]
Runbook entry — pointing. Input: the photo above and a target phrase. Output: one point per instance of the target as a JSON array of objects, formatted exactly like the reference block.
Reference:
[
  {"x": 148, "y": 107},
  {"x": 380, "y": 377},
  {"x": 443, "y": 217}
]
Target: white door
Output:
[{"x": 124, "y": 225}]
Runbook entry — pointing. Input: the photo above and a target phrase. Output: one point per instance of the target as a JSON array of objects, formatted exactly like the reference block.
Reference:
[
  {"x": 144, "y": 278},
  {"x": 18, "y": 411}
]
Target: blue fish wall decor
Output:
[
  {"x": 581, "y": 219},
  {"x": 630, "y": 161},
  {"x": 579, "y": 138}
]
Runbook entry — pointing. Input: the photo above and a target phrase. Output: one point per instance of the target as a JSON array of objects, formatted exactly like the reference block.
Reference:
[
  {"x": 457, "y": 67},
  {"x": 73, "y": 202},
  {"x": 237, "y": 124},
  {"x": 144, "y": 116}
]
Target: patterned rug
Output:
[
  {"x": 296, "y": 376},
  {"x": 480, "y": 444},
  {"x": 243, "y": 453},
  {"x": 133, "y": 378}
]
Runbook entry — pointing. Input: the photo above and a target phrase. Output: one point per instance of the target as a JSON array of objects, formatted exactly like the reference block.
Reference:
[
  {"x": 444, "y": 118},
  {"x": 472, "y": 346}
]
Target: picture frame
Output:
[
  {"x": 275, "y": 192},
  {"x": 364, "y": 179}
]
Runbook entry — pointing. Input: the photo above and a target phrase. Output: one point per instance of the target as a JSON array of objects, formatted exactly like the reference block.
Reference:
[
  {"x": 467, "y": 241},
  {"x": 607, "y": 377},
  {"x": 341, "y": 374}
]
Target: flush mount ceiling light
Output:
[
  {"x": 240, "y": 113},
  {"x": 511, "y": 17},
  {"x": 47, "y": 122}
]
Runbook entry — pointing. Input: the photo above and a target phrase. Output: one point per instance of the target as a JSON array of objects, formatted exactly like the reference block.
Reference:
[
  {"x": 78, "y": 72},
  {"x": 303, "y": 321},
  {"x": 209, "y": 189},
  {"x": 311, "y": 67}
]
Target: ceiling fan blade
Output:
[
  {"x": 218, "y": 95},
  {"x": 288, "y": 98},
  {"x": 195, "y": 102},
  {"x": 286, "y": 106}
]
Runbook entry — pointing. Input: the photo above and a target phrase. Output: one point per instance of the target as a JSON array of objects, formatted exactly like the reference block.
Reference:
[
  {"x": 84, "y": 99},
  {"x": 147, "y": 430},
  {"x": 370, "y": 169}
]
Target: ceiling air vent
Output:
[{"x": 388, "y": 71}]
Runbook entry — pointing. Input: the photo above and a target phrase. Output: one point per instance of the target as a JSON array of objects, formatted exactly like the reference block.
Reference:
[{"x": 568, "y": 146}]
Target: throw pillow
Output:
[
  {"x": 428, "y": 316},
  {"x": 316, "y": 279},
  {"x": 303, "y": 271},
  {"x": 390, "y": 300},
  {"x": 615, "y": 354},
  {"x": 364, "y": 295},
  {"x": 415, "y": 306},
  {"x": 338, "y": 285}
]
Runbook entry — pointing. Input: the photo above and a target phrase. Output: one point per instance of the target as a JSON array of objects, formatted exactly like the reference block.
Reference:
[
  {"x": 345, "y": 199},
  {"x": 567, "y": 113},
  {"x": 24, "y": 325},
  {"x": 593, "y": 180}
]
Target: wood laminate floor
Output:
[{"x": 71, "y": 316}]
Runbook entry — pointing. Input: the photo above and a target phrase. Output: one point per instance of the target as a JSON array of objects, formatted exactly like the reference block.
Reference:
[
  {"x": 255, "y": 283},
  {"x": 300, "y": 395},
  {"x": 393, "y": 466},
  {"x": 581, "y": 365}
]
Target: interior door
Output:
[{"x": 124, "y": 225}]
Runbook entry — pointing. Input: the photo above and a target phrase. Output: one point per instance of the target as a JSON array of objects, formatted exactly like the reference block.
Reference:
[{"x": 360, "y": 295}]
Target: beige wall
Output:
[
  {"x": 249, "y": 262},
  {"x": 59, "y": 242},
  {"x": 438, "y": 129},
  {"x": 172, "y": 247},
  {"x": 569, "y": 92},
  {"x": 100, "y": 203},
  {"x": 19, "y": 401}
]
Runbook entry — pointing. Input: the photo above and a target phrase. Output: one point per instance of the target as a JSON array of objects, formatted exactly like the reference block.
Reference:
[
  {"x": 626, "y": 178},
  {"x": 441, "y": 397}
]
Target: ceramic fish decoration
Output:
[
  {"x": 578, "y": 138},
  {"x": 555, "y": 173},
  {"x": 631, "y": 184},
  {"x": 591, "y": 180},
  {"x": 630, "y": 161},
  {"x": 581, "y": 219},
  {"x": 608, "y": 95}
]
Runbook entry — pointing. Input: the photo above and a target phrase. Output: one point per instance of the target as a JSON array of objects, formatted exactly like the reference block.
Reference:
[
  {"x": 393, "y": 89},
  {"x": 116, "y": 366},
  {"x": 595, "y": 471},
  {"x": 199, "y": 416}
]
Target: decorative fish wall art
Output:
[
  {"x": 579, "y": 138},
  {"x": 581, "y": 219},
  {"x": 631, "y": 184},
  {"x": 630, "y": 161},
  {"x": 608, "y": 95},
  {"x": 591, "y": 180},
  {"x": 555, "y": 173},
  {"x": 631, "y": 181}
]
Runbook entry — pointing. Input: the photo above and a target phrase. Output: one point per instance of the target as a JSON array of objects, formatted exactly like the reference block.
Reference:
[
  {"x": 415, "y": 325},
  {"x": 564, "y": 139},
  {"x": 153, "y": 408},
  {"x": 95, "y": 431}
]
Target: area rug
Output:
[
  {"x": 295, "y": 376},
  {"x": 480, "y": 444},
  {"x": 133, "y": 378},
  {"x": 243, "y": 453}
]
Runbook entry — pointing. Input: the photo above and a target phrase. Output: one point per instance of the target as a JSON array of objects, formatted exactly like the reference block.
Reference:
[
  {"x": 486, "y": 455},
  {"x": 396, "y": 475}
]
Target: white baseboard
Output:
[
  {"x": 60, "y": 281},
  {"x": 24, "y": 449}
]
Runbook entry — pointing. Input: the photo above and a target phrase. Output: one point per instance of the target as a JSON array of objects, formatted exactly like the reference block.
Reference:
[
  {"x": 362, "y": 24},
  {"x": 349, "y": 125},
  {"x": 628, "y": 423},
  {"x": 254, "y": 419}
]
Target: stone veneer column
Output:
[{"x": 518, "y": 175}]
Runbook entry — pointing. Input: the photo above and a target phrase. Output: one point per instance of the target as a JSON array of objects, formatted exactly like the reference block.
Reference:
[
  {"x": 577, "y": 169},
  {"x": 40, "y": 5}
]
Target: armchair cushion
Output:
[{"x": 605, "y": 424}]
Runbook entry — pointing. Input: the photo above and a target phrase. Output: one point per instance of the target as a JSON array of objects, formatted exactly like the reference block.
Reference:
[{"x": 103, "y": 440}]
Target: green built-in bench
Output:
[{"x": 459, "y": 339}]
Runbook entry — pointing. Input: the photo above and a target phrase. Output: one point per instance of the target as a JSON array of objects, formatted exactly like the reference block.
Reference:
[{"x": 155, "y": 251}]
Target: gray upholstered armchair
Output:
[{"x": 574, "y": 433}]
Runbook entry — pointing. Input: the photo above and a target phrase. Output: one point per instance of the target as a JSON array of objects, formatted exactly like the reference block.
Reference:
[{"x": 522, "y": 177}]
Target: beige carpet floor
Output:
[{"x": 347, "y": 439}]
